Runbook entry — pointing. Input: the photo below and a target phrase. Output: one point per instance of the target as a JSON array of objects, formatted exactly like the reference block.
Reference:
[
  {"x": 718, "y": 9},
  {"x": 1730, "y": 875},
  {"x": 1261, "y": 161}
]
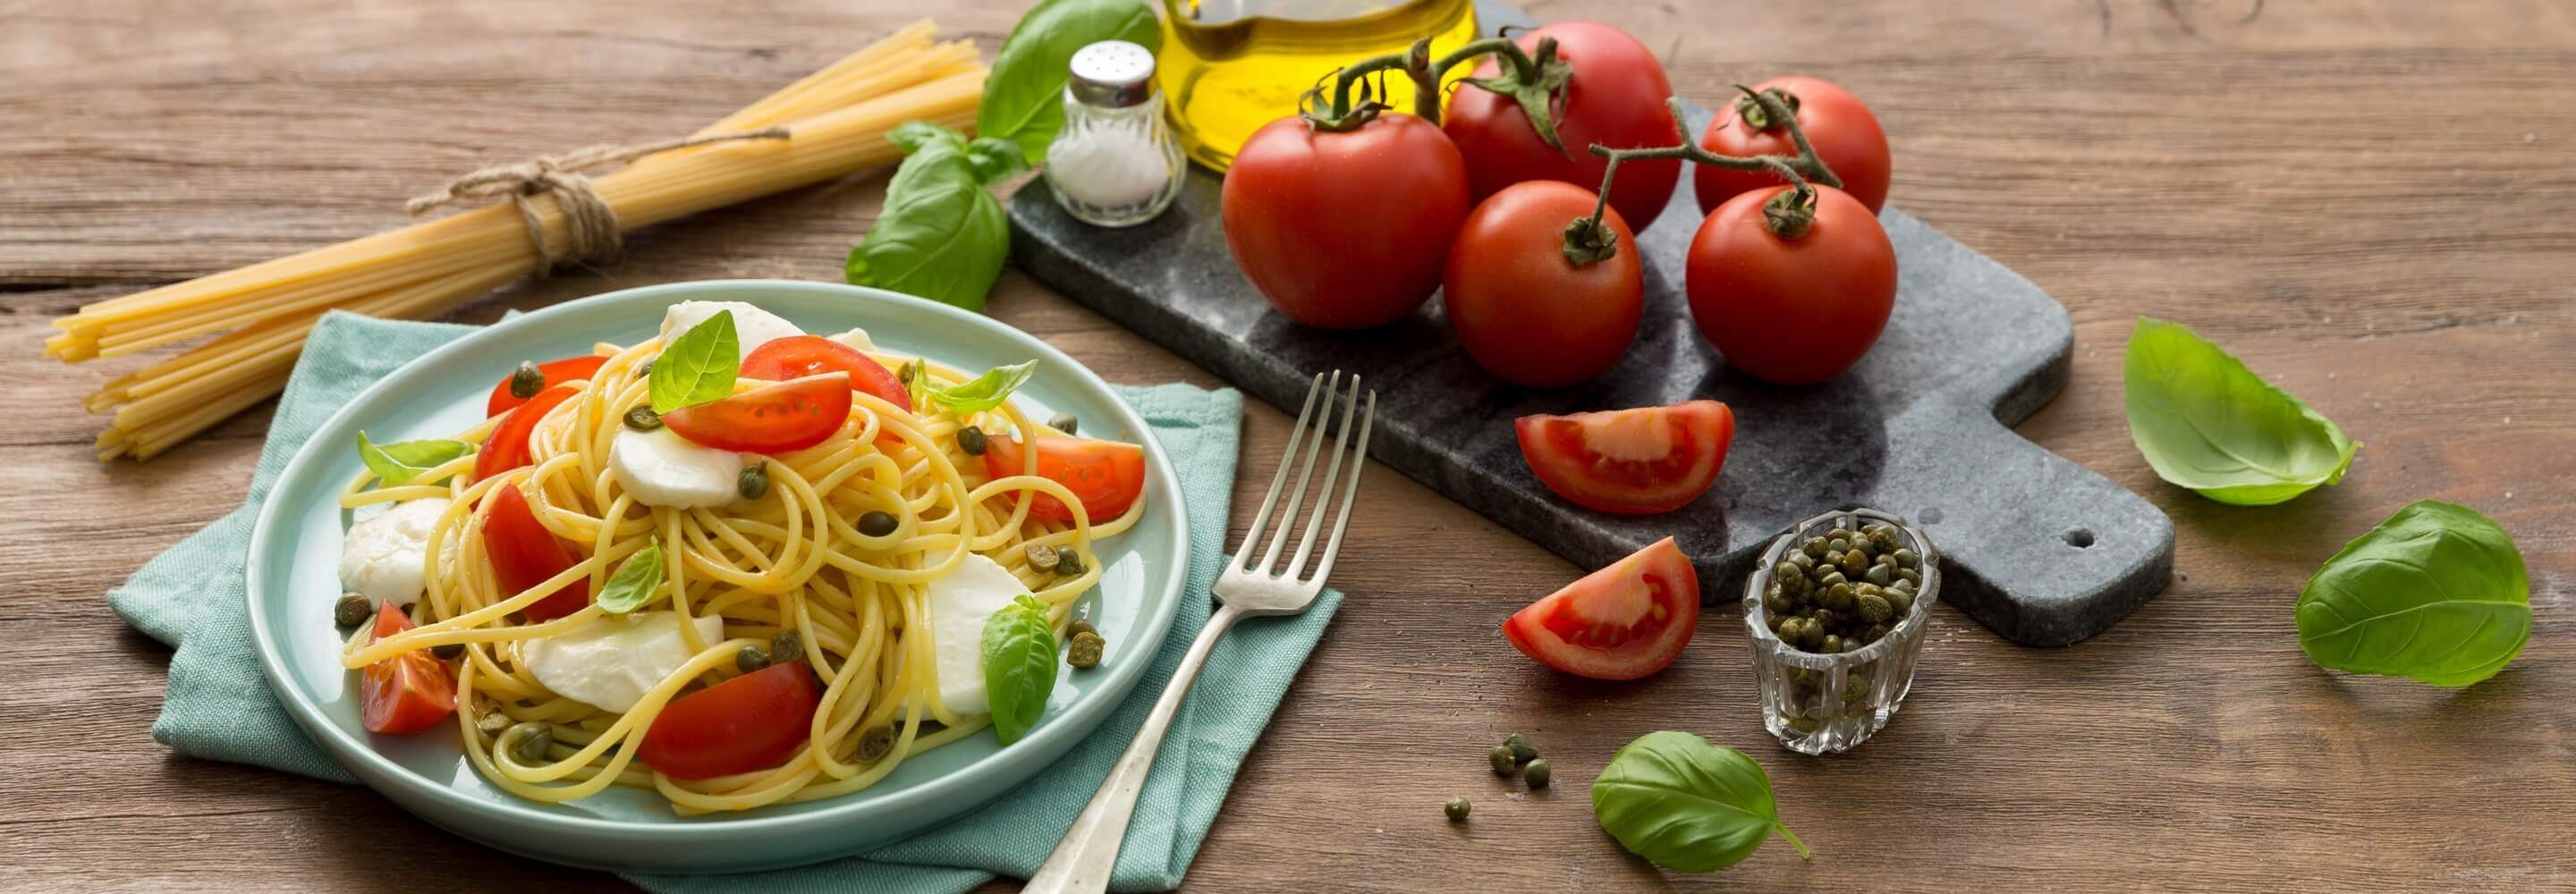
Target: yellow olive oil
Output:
[{"x": 1230, "y": 66}]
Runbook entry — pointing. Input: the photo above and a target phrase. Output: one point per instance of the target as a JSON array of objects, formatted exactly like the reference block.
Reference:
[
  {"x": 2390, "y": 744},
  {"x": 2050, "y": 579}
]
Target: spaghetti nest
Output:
[{"x": 791, "y": 560}]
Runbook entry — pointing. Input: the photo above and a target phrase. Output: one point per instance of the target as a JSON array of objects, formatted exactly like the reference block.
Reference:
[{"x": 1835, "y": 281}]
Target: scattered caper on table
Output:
[
  {"x": 1501, "y": 757},
  {"x": 1085, "y": 651},
  {"x": 1522, "y": 751},
  {"x": 1457, "y": 809},
  {"x": 352, "y": 609},
  {"x": 1537, "y": 773}
]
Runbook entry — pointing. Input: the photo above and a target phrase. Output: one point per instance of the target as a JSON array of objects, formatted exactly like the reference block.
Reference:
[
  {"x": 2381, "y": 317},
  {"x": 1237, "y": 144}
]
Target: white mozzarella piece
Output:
[
  {"x": 856, "y": 338},
  {"x": 386, "y": 555},
  {"x": 959, "y": 604},
  {"x": 663, "y": 469},
  {"x": 610, "y": 661},
  {"x": 752, "y": 327}
]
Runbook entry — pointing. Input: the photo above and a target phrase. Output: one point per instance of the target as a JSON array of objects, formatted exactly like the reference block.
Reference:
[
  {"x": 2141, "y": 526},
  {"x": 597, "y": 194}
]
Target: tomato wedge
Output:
[
  {"x": 506, "y": 447},
  {"x": 1106, "y": 476},
  {"x": 557, "y": 372},
  {"x": 751, "y": 722},
  {"x": 798, "y": 356},
  {"x": 1619, "y": 623},
  {"x": 406, "y": 693},
  {"x": 791, "y": 415},
  {"x": 1632, "y": 462},
  {"x": 524, "y": 554}
]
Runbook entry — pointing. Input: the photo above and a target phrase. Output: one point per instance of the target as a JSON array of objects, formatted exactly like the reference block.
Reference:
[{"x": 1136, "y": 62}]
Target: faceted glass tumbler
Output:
[{"x": 1819, "y": 703}]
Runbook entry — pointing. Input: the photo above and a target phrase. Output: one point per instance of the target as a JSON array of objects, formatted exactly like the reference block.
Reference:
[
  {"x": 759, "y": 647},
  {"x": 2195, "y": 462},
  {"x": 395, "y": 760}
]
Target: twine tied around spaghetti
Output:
[{"x": 590, "y": 226}]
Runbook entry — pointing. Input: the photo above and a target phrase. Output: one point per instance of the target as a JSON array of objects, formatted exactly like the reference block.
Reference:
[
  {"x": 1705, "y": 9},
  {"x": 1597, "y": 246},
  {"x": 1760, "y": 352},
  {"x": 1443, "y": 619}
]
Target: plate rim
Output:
[{"x": 344, "y": 748}]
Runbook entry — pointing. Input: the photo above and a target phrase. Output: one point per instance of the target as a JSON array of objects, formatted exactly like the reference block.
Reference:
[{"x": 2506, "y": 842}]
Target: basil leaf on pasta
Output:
[
  {"x": 699, "y": 366},
  {"x": 401, "y": 462},
  {"x": 986, "y": 391},
  {"x": 636, "y": 583},
  {"x": 1019, "y": 666}
]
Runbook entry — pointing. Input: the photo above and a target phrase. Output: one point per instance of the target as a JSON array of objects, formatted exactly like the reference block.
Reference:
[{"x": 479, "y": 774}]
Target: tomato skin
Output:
[
  {"x": 407, "y": 693},
  {"x": 1106, "y": 476},
  {"x": 1344, "y": 230},
  {"x": 1622, "y": 622},
  {"x": 506, "y": 447},
  {"x": 1632, "y": 462},
  {"x": 1846, "y": 136},
  {"x": 1791, "y": 311},
  {"x": 790, "y": 415},
  {"x": 798, "y": 356},
  {"x": 1522, "y": 310},
  {"x": 751, "y": 722},
  {"x": 524, "y": 554},
  {"x": 556, "y": 372},
  {"x": 1615, "y": 97}
]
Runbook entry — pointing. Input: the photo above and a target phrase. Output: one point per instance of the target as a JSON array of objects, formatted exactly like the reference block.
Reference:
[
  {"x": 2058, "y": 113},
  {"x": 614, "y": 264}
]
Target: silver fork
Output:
[{"x": 1081, "y": 863}]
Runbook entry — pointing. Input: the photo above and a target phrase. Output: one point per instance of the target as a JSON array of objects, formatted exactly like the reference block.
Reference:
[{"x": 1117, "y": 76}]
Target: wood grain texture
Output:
[{"x": 2372, "y": 202}]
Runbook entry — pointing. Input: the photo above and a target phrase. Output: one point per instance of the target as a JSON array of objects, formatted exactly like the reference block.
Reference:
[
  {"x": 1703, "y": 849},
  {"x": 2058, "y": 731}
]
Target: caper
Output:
[
  {"x": 1043, "y": 557},
  {"x": 1881, "y": 574},
  {"x": 447, "y": 652},
  {"x": 1876, "y": 609},
  {"x": 1899, "y": 602},
  {"x": 971, "y": 440},
  {"x": 1536, "y": 773},
  {"x": 1910, "y": 576},
  {"x": 1824, "y": 619},
  {"x": 1775, "y": 620},
  {"x": 1457, "y": 809},
  {"x": 1085, "y": 651},
  {"x": 750, "y": 658},
  {"x": 1875, "y": 633},
  {"x": 754, "y": 481},
  {"x": 1068, "y": 562},
  {"x": 1079, "y": 627},
  {"x": 1800, "y": 558},
  {"x": 1906, "y": 557},
  {"x": 1883, "y": 537},
  {"x": 1837, "y": 597},
  {"x": 875, "y": 744},
  {"x": 528, "y": 742},
  {"x": 1835, "y": 548},
  {"x": 492, "y": 723},
  {"x": 1855, "y": 563},
  {"x": 1064, "y": 422},
  {"x": 1522, "y": 751},
  {"x": 1855, "y": 689},
  {"x": 1831, "y": 579},
  {"x": 786, "y": 646},
  {"x": 1790, "y": 576},
  {"x": 352, "y": 609},
  {"x": 1840, "y": 533},
  {"x": 527, "y": 380},
  {"x": 1831, "y": 645},
  {"x": 1501, "y": 758},
  {"x": 642, "y": 418},
  {"x": 877, "y": 524},
  {"x": 644, "y": 369},
  {"x": 908, "y": 372},
  {"x": 1778, "y": 602},
  {"x": 1816, "y": 547}
]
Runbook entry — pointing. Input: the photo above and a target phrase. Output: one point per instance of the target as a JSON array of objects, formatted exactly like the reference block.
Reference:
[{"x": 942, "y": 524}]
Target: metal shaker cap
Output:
[{"x": 1112, "y": 74}]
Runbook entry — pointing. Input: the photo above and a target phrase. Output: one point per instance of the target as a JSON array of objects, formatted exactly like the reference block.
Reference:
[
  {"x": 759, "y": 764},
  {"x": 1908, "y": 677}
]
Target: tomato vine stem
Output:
[
  {"x": 1799, "y": 170},
  {"x": 1532, "y": 81}
]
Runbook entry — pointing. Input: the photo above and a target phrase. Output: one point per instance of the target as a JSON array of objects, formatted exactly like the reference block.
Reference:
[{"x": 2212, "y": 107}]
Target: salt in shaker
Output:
[{"x": 1115, "y": 163}]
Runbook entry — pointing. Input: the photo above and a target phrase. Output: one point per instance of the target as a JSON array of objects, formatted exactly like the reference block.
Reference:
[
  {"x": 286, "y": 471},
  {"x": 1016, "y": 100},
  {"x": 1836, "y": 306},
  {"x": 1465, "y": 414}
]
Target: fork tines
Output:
[{"x": 1304, "y": 444}]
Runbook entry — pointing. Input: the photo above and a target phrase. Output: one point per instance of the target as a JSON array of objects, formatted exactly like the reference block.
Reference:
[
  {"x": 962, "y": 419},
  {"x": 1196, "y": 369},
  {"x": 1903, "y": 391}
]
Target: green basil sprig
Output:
[
  {"x": 983, "y": 392},
  {"x": 1024, "y": 93},
  {"x": 1685, "y": 804},
  {"x": 1019, "y": 666},
  {"x": 400, "y": 462},
  {"x": 2206, "y": 422},
  {"x": 697, "y": 367},
  {"x": 2437, "y": 592},
  {"x": 941, "y": 235},
  {"x": 636, "y": 583}
]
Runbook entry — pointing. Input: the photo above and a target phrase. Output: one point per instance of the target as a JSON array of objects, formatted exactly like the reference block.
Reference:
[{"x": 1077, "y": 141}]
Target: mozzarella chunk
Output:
[
  {"x": 959, "y": 603},
  {"x": 386, "y": 555},
  {"x": 610, "y": 661},
  {"x": 663, "y": 469},
  {"x": 752, "y": 327},
  {"x": 856, "y": 338}
]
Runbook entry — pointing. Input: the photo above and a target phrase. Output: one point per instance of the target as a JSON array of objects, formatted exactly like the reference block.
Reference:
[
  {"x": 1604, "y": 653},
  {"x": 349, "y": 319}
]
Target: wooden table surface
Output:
[{"x": 2372, "y": 202}]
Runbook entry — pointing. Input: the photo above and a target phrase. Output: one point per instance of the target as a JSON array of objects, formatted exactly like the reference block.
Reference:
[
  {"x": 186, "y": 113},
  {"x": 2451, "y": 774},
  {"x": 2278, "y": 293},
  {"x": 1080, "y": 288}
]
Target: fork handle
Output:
[{"x": 1082, "y": 861}]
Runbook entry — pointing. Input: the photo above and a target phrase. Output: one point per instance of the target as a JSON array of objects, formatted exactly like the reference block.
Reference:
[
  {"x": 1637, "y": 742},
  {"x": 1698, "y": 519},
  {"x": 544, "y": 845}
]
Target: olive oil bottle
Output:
[{"x": 1231, "y": 66}]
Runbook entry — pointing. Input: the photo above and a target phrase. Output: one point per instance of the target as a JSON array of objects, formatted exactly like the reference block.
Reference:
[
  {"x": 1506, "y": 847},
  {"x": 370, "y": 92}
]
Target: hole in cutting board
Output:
[{"x": 2078, "y": 538}]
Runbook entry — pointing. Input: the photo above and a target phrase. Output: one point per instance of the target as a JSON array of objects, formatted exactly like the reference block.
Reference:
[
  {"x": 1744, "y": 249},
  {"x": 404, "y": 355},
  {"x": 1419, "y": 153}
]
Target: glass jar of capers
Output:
[{"x": 1836, "y": 611}]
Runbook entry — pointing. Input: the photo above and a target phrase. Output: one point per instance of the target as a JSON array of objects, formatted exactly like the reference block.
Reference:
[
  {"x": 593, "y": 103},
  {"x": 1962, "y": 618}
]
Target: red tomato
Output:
[
  {"x": 557, "y": 372},
  {"x": 1523, "y": 310},
  {"x": 1838, "y": 124},
  {"x": 524, "y": 554},
  {"x": 1106, "y": 476},
  {"x": 751, "y": 722},
  {"x": 1619, "y": 623},
  {"x": 406, "y": 693},
  {"x": 506, "y": 447},
  {"x": 1615, "y": 97},
  {"x": 1344, "y": 230},
  {"x": 798, "y": 356},
  {"x": 790, "y": 415},
  {"x": 1791, "y": 311},
  {"x": 1632, "y": 462}
]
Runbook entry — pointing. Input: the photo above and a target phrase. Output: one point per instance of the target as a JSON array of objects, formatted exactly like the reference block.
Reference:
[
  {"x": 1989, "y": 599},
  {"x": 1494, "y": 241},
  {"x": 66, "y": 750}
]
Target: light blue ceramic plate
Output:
[{"x": 295, "y": 549}]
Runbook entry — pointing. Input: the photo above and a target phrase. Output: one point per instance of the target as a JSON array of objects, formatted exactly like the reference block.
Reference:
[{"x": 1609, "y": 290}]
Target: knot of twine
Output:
[{"x": 590, "y": 226}]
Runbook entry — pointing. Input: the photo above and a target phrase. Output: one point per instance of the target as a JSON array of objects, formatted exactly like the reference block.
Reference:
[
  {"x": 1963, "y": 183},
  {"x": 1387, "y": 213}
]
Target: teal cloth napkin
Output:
[{"x": 219, "y": 707}]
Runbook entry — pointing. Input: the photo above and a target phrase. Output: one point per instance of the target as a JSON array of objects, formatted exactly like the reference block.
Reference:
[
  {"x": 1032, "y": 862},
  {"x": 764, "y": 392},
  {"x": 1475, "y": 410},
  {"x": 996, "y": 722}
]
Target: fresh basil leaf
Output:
[
  {"x": 1687, "y": 805},
  {"x": 940, "y": 235},
  {"x": 2206, "y": 422},
  {"x": 995, "y": 158},
  {"x": 2437, "y": 592},
  {"x": 918, "y": 387},
  {"x": 983, "y": 392},
  {"x": 636, "y": 583},
  {"x": 697, "y": 367},
  {"x": 399, "y": 463},
  {"x": 1019, "y": 666},
  {"x": 1024, "y": 93}
]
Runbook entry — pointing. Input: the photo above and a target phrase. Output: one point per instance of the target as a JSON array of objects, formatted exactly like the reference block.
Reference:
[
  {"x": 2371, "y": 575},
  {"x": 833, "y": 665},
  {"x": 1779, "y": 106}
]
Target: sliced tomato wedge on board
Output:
[
  {"x": 751, "y": 722},
  {"x": 524, "y": 554},
  {"x": 1106, "y": 476},
  {"x": 1622, "y": 622},
  {"x": 556, "y": 372},
  {"x": 790, "y": 415},
  {"x": 406, "y": 693},
  {"x": 798, "y": 356},
  {"x": 506, "y": 447},
  {"x": 1633, "y": 462}
]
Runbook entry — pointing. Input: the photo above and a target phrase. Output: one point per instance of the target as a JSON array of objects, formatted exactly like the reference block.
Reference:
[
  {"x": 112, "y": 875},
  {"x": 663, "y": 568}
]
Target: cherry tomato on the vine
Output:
[
  {"x": 1846, "y": 136},
  {"x": 1791, "y": 311},
  {"x": 1615, "y": 97},
  {"x": 1526, "y": 312},
  {"x": 1344, "y": 229}
]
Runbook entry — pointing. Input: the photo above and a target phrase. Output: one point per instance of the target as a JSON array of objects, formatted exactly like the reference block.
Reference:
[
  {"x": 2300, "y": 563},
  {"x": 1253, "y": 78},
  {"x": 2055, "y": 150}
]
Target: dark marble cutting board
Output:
[{"x": 2038, "y": 549}]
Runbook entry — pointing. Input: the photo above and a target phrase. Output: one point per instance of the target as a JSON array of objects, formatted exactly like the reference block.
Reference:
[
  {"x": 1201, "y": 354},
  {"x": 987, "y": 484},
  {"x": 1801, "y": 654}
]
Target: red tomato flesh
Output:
[
  {"x": 557, "y": 372},
  {"x": 1633, "y": 462},
  {"x": 1106, "y": 476},
  {"x": 524, "y": 554},
  {"x": 798, "y": 356},
  {"x": 790, "y": 415},
  {"x": 506, "y": 447},
  {"x": 1619, "y": 623},
  {"x": 406, "y": 693},
  {"x": 751, "y": 722},
  {"x": 1615, "y": 97}
]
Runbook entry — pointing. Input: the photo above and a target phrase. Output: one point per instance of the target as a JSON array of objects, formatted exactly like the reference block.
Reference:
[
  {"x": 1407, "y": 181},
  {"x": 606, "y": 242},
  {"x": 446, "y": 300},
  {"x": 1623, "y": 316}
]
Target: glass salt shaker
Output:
[{"x": 1115, "y": 163}]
